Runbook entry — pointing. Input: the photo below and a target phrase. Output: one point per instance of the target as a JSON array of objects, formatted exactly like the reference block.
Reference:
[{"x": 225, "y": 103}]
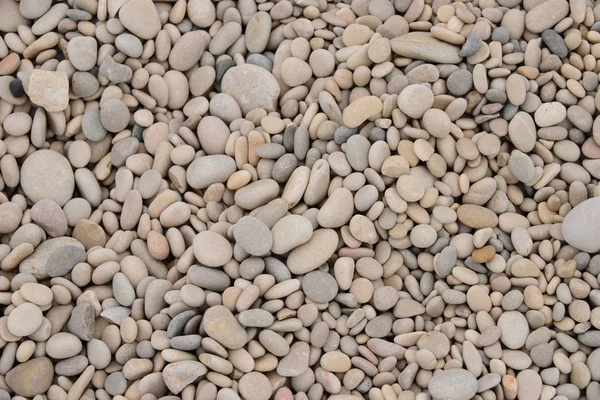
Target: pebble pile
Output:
[{"x": 299, "y": 200}]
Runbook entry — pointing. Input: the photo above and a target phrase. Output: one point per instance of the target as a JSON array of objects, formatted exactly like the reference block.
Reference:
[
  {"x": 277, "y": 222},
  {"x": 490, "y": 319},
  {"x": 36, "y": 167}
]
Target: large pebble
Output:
[
  {"x": 141, "y": 18},
  {"x": 253, "y": 236},
  {"x": 46, "y": 174},
  {"x": 24, "y": 319},
  {"x": 514, "y": 329},
  {"x": 313, "y": 253},
  {"x": 49, "y": 89},
  {"x": 423, "y": 46},
  {"x": 452, "y": 384},
  {"x": 204, "y": 171},
  {"x": 360, "y": 110},
  {"x": 545, "y": 15},
  {"x": 319, "y": 286},
  {"x": 290, "y": 232},
  {"x": 220, "y": 324},
  {"x": 32, "y": 377},
  {"x": 581, "y": 226},
  {"x": 180, "y": 374},
  {"x": 212, "y": 249},
  {"x": 252, "y": 87}
]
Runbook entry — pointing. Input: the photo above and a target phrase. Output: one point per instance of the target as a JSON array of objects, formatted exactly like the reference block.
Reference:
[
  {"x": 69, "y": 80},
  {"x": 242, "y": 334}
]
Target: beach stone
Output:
[
  {"x": 62, "y": 260},
  {"x": 208, "y": 278},
  {"x": 314, "y": 253},
  {"x": 477, "y": 217},
  {"x": 37, "y": 263},
  {"x": 522, "y": 131},
  {"x": 255, "y": 385},
  {"x": 415, "y": 100},
  {"x": 11, "y": 215},
  {"x": 187, "y": 51},
  {"x": 335, "y": 361},
  {"x": 17, "y": 124},
  {"x": 471, "y": 46},
  {"x": 295, "y": 363},
  {"x": 114, "y": 71},
  {"x": 290, "y": 232},
  {"x": 360, "y": 110},
  {"x": 435, "y": 342},
  {"x": 514, "y": 329},
  {"x": 256, "y": 318},
  {"x": 82, "y": 321},
  {"x": 180, "y": 374},
  {"x": 32, "y": 377},
  {"x": 253, "y": 236},
  {"x": 48, "y": 214},
  {"x": 337, "y": 209},
  {"x": 545, "y": 15},
  {"x": 460, "y": 82},
  {"x": 295, "y": 72},
  {"x": 423, "y": 46},
  {"x": 212, "y": 249},
  {"x": 452, "y": 384},
  {"x": 83, "y": 52},
  {"x": 252, "y": 87},
  {"x": 12, "y": 18},
  {"x": 24, "y": 319},
  {"x": 220, "y": 324},
  {"x": 16, "y": 88},
  {"x": 582, "y": 224},
  {"x": 202, "y": 13},
  {"x": 46, "y": 174},
  {"x": 49, "y": 89},
  {"x": 549, "y": 114},
  {"x": 319, "y": 286},
  {"x": 114, "y": 115},
  {"x": 204, "y": 171},
  {"x": 529, "y": 385},
  {"x": 92, "y": 127},
  {"x": 140, "y": 17},
  {"x": 555, "y": 43}
]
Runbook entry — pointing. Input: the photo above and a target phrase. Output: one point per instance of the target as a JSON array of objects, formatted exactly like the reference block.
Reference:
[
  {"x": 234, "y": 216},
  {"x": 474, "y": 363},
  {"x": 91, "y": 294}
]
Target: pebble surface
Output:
[{"x": 299, "y": 200}]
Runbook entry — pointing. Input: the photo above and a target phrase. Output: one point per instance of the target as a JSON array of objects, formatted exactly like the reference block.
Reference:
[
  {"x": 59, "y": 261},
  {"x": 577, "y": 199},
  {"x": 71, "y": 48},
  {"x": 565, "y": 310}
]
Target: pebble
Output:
[
  {"x": 114, "y": 115},
  {"x": 295, "y": 363},
  {"x": 212, "y": 249},
  {"x": 46, "y": 174},
  {"x": 255, "y": 385},
  {"x": 539, "y": 19},
  {"x": 24, "y": 320},
  {"x": 319, "y": 286},
  {"x": 252, "y": 87},
  {"x": 415, "y": 100},
  {"x": 360, "y": 110},
  {"x": 31, "y": 378},
  {"x": 220, "y": 324},
  {"x": 83, "y": 52},
  {"x": 48, "y": 215},
  {"x": 49, "y": 89},
  {"x": 580, "y": 225},
  {"x": 82, "y": 321},
  {"x": 514, "y": 328},
  {"x": 313, "y": 253},
  {"x": 383, "y": 200},
  {"x": 207, "y": 170},
  {"x": 180, "y": 374},
  {"x": 555, "y": 43},
  {"x": 423, "y": 46},
  {"x": 453, "y": 384},
  {"x": 141, "y": 18},
  {"x": 253, "y": 236}
]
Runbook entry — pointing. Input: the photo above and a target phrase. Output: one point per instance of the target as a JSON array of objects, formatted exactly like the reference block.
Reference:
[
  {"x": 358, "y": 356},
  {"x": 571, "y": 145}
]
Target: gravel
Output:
[{"x": 358, "y": 200}]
